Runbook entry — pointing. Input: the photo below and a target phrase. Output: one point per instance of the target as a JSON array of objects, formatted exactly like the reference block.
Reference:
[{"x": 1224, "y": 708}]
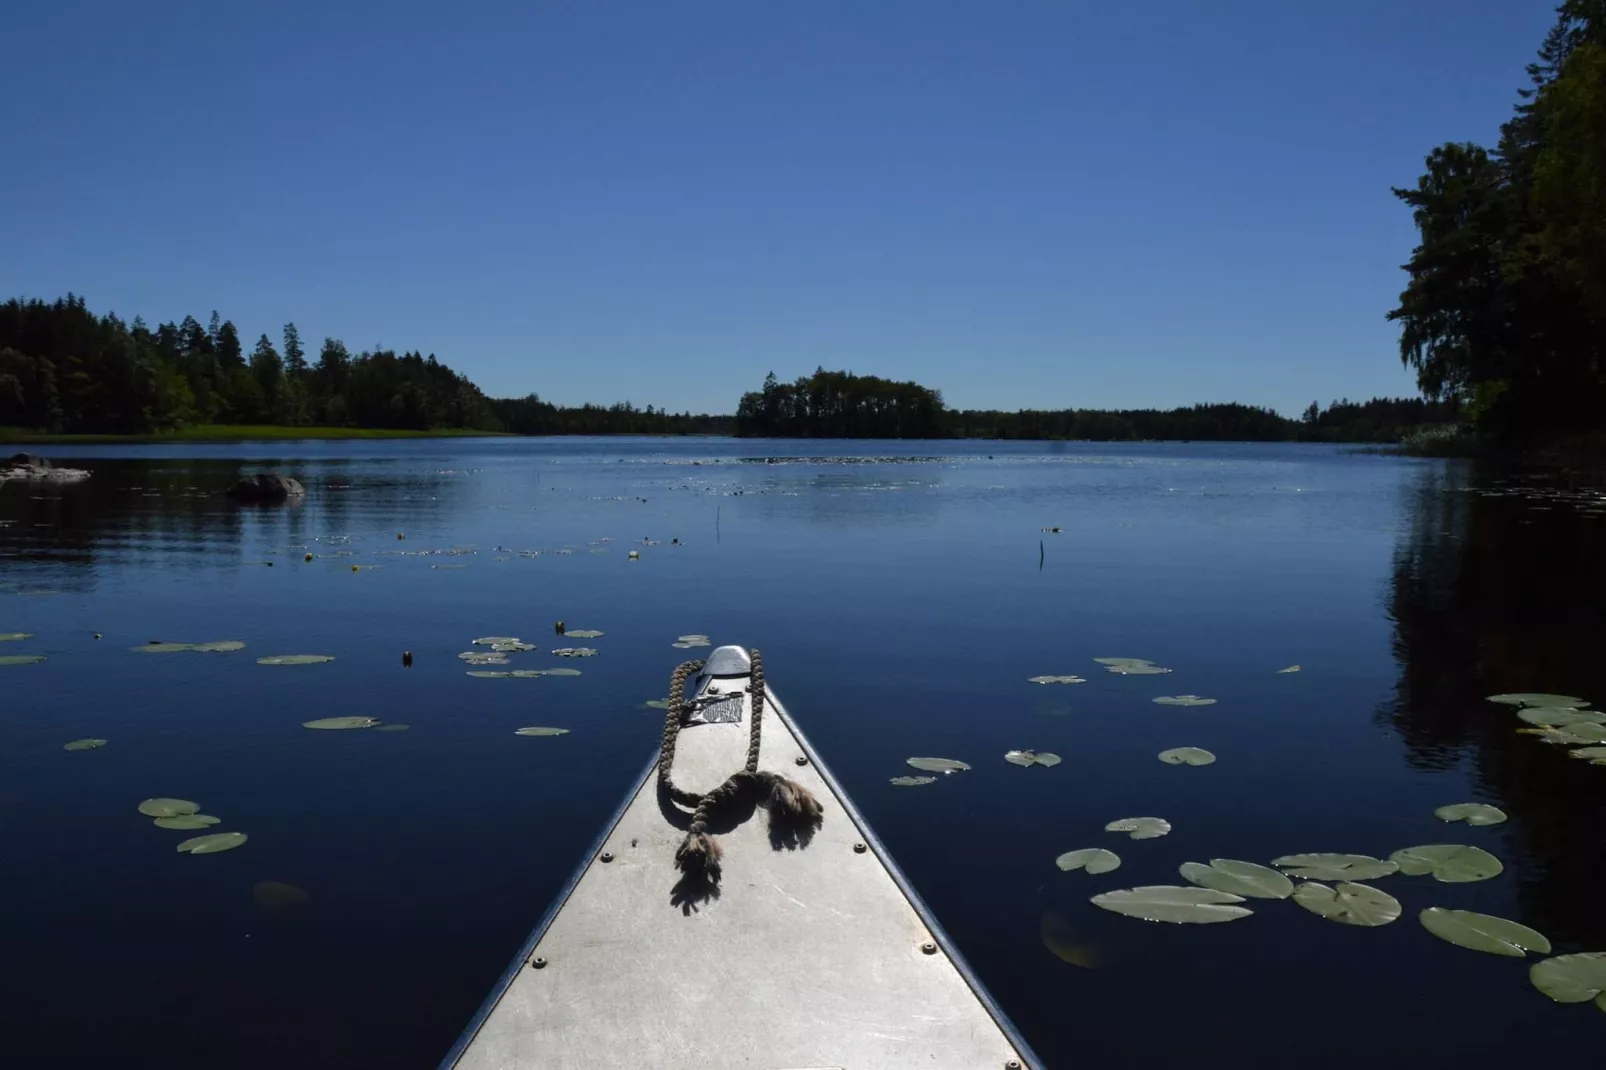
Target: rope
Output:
[{"x": 786, "y": 799}]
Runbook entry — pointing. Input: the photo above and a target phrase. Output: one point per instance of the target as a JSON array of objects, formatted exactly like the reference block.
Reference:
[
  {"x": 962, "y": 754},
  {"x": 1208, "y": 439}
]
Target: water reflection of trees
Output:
[
  {"x": 157, "y": 513},
  {"x": 1493, "y": 593}
]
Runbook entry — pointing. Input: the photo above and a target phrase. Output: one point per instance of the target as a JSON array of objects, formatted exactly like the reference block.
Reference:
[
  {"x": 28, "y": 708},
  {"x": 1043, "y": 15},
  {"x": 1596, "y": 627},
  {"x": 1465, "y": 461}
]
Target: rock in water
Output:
[
  {"x": 28, "y": 460},
  {"x": 266, "y": 487}
]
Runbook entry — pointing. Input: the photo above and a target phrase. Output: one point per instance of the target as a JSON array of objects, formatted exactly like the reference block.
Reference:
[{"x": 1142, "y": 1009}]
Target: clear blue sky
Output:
[{"x": 1025, "y": 204}]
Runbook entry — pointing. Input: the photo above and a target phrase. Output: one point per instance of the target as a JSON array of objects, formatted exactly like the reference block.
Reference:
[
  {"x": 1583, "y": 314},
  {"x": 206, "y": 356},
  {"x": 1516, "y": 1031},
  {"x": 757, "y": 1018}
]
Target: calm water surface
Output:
[{"x": 901, "y": 603}]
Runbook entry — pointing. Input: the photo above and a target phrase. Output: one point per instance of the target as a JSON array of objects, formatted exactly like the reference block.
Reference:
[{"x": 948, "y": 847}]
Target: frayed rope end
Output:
[
  {"x": 699, "y": 853},
  {"x": 791, "y": 801}
]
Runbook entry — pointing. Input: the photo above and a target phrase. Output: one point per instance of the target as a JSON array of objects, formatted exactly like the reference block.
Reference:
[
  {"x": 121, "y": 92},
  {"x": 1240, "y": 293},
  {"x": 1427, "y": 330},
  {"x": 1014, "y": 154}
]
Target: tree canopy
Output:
[{"x": 1505, "y": 306}]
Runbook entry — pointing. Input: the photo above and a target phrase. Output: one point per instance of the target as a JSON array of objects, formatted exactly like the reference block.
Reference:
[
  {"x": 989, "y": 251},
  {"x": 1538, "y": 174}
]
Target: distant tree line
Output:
[
  {"x": 530, "y": 415},
  {"x": 64, "y": 369},
  {"x": 1505, "y": 307},
  {"x": 843, "y": 405}
]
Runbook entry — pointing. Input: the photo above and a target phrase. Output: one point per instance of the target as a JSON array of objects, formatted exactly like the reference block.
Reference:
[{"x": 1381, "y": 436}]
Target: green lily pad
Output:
[
  {"x": 1238, "y": 878},
  {"x": 938, "y": 765},
  {"x": 584, "y": 633},
  {"x": 575, "y": 652},
  {"x": 276, "y": 894},
  {"x": 1187, "y": 756},
  {"x": 1349, "y": 904},
  {"x": 1572, "y": 978},
  {"x": 1483, "y": 932},
  {"x": 213, "y": 844},
  {"x": 1184, "y": 700},
  {"x": 540, "y": 731},
  {"x": 1140, "y": 828},
  {"x": 1135, "y": 668},
  {"x": 1056, "y": 680},
  {"x": 1452, "y": 863},
  {"x": 164, "y": 807},
  {"x": 21, "y": 659},
  {"x": 1093, "y": 859},
  {"x": 492, "y": 640},
  {"x": 84, "y": 744},
  {"x": 1335, "y": 867},
  {"x": 513, "y": 648},
  {"x": 1175, "y": 904},
  {"x": 483, "y": 657},
  {"x": 222, "y": 646},
  {"x": 1291, "y": 668},
  {"x": 1534, "y": 698},
  {"x": 560, "y": 672},
  {"x": 1030, "y": 758},
  {"x": 392, "y": 727},
  {"x": 187, "y": 821},
  {"x": 295, "y": 659},
  {"x": 334, "y": 723},
  {"x": 1593, "y": 755},
  {"x": 1471, "y": 813},
  {"x": 12, "y": 637},
  {"x": 1582, "y": 732},
  {"x": 656, "y": 704},
  {"x": 691, "y": 642},
  {"x": 1550, "y": 716},
  {"x": 489, "y": 674},
  {"x": 911, "y": 781}
]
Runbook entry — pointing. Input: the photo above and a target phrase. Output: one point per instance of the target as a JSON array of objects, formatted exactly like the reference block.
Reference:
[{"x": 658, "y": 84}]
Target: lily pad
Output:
[
  {"x": 1535, "y": 698},
  {"x": 938, "y": 765},
  {"x": 1578, "y": 733},
  {"x": 1560, "y": 715},
  {"x": 687, "y": 642},
  {"x": 1136, "y": 669},
  {"x": 656, "y": 704},
  {"x": 1335, "y": 867},
  {"x": 1184, "y": 700},
  {"x": 513, "y": 648},
  {"x": 1572, "y": 978},
  {"x": 222, "y": 646},
  {"x": 560, "y": 672},
  {"x": 187, "y": 821},
  {"x": 1175, "y": 904},
  {"x": 1452, "y": 863},
  {"x": 84, "y": 744},
  {"x": 392, "y": 727},
  {"x": 1593, "y": 755},
  {"x": 583, "y": 633},
  {"x": 12, "y": 637},
  {"x": 213, "y": 844},
  {"x": 1291, "y": 668},
  {"x": 1093, "y": 859},
  {"x": 1187, "y": 756},
  {"x": 164, "y": 807},
  {"x": 295, "y": 659},
  {"x": 341, "y": 722},
  {"x": 1030, "y": 758},
  {"x": 1056, "y": 680},
  {"x": 489, "y": 674},
  {"x": 492, "y": 640},
  {"x": 1140, "y": 828},
  {"x": 21, "y": 659},
  {"x": 277, "y": 894},
  {"x": 912, "y": 781},
  {"x": 1471, "y": 813},
  {"x": 575, "y": 652},
  {"x": 540, "y": 731},
  {"x": 1238, "y": 878},
  {"x": 1349, "y": 904},
  {"x": 1483, "y": 932}
]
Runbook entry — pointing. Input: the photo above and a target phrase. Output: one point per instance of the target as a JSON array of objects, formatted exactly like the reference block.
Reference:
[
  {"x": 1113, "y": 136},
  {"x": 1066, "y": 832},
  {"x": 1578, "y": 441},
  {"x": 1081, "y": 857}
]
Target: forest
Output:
[{"x": 1504, "y": 310}]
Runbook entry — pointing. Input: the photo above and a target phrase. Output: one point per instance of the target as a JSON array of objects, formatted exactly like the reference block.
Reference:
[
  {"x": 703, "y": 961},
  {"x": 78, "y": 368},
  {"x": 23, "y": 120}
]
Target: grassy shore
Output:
[{"x": 231, "y": 433}]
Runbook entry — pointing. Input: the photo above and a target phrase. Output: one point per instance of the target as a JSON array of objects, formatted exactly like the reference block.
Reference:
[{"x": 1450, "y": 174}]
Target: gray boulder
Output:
[
  {"x": 30, "y": 461},
  {"x": 266, "y": 487}
]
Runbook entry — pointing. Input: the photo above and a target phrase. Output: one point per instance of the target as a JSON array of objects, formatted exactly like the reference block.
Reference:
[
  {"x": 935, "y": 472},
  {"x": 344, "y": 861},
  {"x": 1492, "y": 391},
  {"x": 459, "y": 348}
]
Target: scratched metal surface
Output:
[{"x": 806, "y": 957}]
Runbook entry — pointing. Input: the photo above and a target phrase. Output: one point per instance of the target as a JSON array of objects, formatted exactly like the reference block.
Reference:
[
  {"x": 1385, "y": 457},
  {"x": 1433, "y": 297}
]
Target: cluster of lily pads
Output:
[
  {"x": 18, "y": 659},
  {"x": 498, "y": 647},
  {"x": 1216, "y": 890},
  {"x": 183, "y": 814},
  {"x": 1561, "y": 720}
]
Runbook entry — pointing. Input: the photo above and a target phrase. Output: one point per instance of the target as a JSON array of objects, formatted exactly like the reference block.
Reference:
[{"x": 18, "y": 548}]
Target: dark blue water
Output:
[{"x": 901, "y": 600}]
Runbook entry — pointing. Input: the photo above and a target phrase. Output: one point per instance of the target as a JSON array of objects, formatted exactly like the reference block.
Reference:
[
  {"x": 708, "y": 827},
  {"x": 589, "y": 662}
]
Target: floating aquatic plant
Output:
[
  {"x": 1140, "y": 828},
  {"x": 912, "y": 781},
  {"x": 1174, "y": 904},
  {"x": 1471, "y": 813},
  {"x": 1238, "y": 878},
  {"x": 1483, "y": 932},
  {"x": 1031, "y": 757},
  {"x": 334, "y": 723},
  {"x": 537, "y": 731},
  {"x": 1575, "y": 978},
  {"x": 1056, "y": 680},
  {"x": 1452, "y": 863},
  {"x": 1324, "y": 866},
  {"x": 165, "y": 807},
  {"x": 1092, "y": 859},
  {"x": 1184, "y": 700},
  {"x": 216, "y": 843},
  {"x": 85, "y": 744},
  {"x": 938, "y": 765},
  {"x": 1348, "y": 903},
  {"x": 295, "y": 659},
  {"x": 1187, "y": 756}
]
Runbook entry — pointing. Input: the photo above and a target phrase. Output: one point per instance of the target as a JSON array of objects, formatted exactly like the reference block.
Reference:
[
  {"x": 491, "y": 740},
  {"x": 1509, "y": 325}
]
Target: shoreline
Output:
[{"x": 235, "y": 433}]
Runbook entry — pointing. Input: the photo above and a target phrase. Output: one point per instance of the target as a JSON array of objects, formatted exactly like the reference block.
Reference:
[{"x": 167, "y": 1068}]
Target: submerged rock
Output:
[{"x": 266, "y": 487}]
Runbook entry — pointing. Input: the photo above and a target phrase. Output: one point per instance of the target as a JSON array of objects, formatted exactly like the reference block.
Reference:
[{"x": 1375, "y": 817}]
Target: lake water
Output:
[{"x": 902, "y": 602}]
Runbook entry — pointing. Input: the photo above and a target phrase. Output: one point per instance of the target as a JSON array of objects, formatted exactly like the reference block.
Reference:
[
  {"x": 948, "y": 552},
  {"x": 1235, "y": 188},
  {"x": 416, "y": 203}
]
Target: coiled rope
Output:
[{"x": 786, "y": 799}]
